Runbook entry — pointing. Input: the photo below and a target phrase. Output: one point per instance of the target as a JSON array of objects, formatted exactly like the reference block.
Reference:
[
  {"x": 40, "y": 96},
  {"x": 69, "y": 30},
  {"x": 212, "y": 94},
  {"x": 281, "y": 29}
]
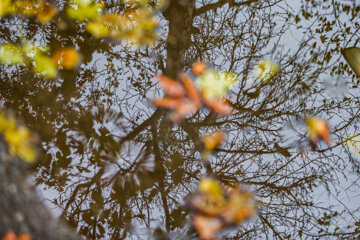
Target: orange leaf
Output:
[
  {"x": 199, "y": 68},
  {"x": 318, "y": 130},
  {"x": 67, "y": 57},
  {"x": 207, "y": 227},
  {"x": 167, "y": 102},
  {"x": 219, "y": 106},
  {"x": 171, "y": 86},
  {"x": 185, "y": 108},
  {"x": 192, "y": 92},
  {"x": 11, "y": 236}
]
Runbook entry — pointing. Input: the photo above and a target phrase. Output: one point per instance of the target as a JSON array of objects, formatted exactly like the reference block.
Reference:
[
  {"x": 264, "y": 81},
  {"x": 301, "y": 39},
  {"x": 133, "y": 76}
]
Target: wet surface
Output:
[{"x": 116, "y": 167}]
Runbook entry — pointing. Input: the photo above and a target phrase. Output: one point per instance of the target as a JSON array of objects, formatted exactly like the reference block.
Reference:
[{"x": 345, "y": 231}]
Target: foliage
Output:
[{"x": 19, "y": 139}]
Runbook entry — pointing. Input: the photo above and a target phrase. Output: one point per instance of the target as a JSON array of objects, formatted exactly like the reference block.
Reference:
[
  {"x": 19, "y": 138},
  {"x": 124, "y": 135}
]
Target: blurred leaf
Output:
[
  {"x": 19, "y": 139},
  {"x": 10, "y": 235},
  {"x": 213, "y": 140},
  {"x": 46, "y": 11},
  {"x": 11, "y": 54},
  {"x": 4, "y": 7},
  {"x": 45, "y": 66},
  {"x": 199, "y": 68},
  {"x": 24, "y": 7},
  {"x": 67, "y": 57},
  {"x": 214, "y": 84},
  {"x": 210, "y": 186},
  {"x": 265, "y": 70},
  {"x": 318, "y": 130},
  {"x": 84, "y": 9}
]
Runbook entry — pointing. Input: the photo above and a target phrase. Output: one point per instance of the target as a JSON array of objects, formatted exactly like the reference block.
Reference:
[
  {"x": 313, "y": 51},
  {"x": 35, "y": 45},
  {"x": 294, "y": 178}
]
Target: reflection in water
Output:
[{"x": 121, "y": 169}]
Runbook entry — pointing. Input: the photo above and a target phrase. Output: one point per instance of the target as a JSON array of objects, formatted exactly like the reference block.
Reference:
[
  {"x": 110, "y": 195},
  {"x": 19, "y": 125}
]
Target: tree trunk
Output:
[{"x": 21, "y": 209}]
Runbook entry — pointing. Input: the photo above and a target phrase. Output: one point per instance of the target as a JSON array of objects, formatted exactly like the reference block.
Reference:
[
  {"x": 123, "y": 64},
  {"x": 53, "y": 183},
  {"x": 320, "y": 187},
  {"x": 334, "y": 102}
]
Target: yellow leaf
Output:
[
  {"x": 45, "y": 66},
  {"x": 215, "y": 84},
  {"x": 82, "y": 10},
  {"x": 11, "y": 54},
  {"x": 265, "y": 70},
  {"x": 26, "y": 8},
  {"x": 210, "y": 186},
  {"x": 4, "y": 7},
  {"x": 97, "y": 29}
]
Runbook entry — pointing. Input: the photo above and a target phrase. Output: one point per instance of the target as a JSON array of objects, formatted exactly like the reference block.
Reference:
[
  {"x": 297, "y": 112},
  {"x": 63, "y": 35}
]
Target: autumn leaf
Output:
[
  {"x": 213, "y": 140},
  {"x": 217, "y": 208},
  {"x": 10, "y": 235},
  {"x": 45, "y": 66},
  {"x": 199, "y": 68},
  {"x": 11, "y": 54},
  {"x": 19, "y": 138},
  {"x": 4, "y": 7},
  {"x": 171, "y": 87},
  {"x": 207, "y": 227},
  {"x": 215, "y": 85},
  {"x": 45, "y": 12},
  {"x": 318, "y": 130},
  {"x": 265, "y": 70},
  {"x": 84, "y": 9},
  {"x": 67, "y": 57}
]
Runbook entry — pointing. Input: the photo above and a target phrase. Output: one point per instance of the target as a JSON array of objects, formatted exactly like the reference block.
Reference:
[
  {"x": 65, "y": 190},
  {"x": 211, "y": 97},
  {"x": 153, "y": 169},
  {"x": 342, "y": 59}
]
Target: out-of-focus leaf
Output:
[
  {"x": 207, "y": 227},
  {"x": 97, "y": 29},
  {"x": 220, "y": 106},
  {"x": 213, "y": 140},
  {"x": 353, "y": 146},
  {"x": 216, "y": 208},
  {"x": 45, "y": 66},
  {"x": 84, "y": 9},
  {"x": 46, "y": 11},
  {"x": 171, "y": 86},
  {"x": 19, "y": 139},
  {"x": 24, "y": 7},
  {"x": 11, "y": 54},
  {"x": 10, "y": 235},
  {"x": 318, "y": 130},
  {"x": 210, "y": 186},
  {"x": 352, "y": 57},
  {"x": 4, "y": 7},
  {"x": 215, "y": 84},
  {"x": 31, "y": 50},
  {"x": 265, "y": 70},
  {"x": 191, "y": 90},
  {"x": 166, "y": 102},
  {"x": 67, "y": 57},
  {"x": 199, "y": 68}
]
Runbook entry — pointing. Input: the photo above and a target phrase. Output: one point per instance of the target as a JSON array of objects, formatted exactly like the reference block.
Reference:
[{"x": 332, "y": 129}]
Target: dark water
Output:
[{"x": 116, "y": 168}]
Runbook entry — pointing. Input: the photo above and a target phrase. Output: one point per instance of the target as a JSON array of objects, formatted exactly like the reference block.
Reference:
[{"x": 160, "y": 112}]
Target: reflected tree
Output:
[{"x": 120, "y": 169}]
